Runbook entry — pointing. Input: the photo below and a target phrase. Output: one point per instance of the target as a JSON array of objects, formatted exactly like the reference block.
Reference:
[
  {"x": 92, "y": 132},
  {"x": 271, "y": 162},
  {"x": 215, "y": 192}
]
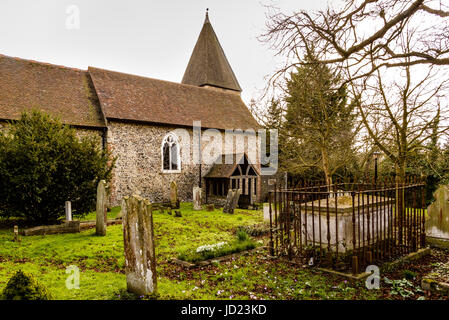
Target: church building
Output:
[{"x": 136, "y": 118}]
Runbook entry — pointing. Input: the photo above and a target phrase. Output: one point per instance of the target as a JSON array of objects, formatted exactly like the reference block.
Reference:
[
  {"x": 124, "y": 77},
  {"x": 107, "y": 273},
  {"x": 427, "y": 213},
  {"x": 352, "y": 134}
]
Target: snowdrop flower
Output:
[{"x": 211, "y": 247}]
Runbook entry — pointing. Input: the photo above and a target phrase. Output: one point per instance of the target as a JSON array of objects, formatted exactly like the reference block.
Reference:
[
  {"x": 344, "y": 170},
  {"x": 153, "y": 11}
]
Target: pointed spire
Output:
[
  {"x": 207, "y": 16},
  {"x": 208, "y": 65}
]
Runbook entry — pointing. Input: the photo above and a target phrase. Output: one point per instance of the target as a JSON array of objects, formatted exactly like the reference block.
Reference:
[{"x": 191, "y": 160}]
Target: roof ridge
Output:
[
  {"x": 167, "y": 81},
  {"x": 42, "y": 63}
]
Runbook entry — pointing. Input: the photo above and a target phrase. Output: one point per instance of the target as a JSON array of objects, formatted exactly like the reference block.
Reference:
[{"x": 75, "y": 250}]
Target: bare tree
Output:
[
  {"x": 399, "y": 107},
  {"x": 357, "y": 33}
]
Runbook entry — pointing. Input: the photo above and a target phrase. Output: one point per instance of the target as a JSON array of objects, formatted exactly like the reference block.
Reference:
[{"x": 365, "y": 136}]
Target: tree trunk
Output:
[
  {"x": 326, "y": 169},
  {"x": 400, "y": 197}
]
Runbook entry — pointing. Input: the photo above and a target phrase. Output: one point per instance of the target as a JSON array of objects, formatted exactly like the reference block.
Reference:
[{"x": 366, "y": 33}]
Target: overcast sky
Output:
[{"x": 148, "y": 38}]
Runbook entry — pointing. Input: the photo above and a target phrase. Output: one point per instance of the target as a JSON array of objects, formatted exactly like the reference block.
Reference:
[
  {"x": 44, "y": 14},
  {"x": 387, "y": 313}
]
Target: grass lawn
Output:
[{"x": 101, "y": 263}]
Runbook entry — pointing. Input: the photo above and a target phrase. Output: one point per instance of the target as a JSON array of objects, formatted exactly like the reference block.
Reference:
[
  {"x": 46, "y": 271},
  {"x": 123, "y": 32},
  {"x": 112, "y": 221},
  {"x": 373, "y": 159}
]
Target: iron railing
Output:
[{"x": 347, "y": 226}]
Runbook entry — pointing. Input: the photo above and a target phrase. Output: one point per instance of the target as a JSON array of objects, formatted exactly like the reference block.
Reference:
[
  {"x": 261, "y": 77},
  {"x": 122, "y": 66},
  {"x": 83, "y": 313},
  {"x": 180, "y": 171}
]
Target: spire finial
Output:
[{"x": 207, "y": 16}]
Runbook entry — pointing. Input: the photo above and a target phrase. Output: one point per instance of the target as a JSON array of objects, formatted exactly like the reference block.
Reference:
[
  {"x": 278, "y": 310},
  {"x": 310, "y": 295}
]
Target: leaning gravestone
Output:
[
  {"x": 227, "y": 208},
  {"x": 138, "y": 237},
  {"x": 102, "y": 215},
  {"x": 174, "y": 202},
  {"x": 437, "y": 224},
  {"x": 235, "y": 200},
  {"x": 197, "y": 198},
  {"x": 232, "y": 200}
]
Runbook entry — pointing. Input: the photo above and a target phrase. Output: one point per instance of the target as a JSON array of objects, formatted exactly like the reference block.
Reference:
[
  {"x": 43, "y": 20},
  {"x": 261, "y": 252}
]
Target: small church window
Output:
[{"x": 171, "y": 161}]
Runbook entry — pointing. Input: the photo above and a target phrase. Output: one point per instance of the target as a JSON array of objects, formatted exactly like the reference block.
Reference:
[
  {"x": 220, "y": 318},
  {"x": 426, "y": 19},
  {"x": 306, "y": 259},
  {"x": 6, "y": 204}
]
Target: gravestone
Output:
[
  {"x": 227, "y": 208},
  {"x": 102, "y": 215},
  {"x": 138, "y": 237},
  {"x": 68, "y": 211},
  {"x": 437, "y": 223},
  {"x": 232, "y": 200},
  {"x": 266, "y": 212},
  {"x": 16, "y": 234},
  {"x": 235, "y": 201},
  {"x": 197, "y": 198},
  {"x": 210, "y": 207},
  {"x": 174, "y": 202}
]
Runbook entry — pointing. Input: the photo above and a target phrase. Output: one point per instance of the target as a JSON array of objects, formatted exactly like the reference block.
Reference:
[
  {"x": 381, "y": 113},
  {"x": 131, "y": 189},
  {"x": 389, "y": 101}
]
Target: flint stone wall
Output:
[{"x": 139, "y": 163}]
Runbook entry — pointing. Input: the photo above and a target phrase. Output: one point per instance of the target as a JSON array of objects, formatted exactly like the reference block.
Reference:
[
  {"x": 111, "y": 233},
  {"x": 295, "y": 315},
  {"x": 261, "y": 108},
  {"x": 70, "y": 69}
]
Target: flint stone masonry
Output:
[
  {"x": 102, "y": 212},
  {"x": 138, "y": 237},
  {"x": 139, "y": 162},
  {"x": 437, "y": 223}
]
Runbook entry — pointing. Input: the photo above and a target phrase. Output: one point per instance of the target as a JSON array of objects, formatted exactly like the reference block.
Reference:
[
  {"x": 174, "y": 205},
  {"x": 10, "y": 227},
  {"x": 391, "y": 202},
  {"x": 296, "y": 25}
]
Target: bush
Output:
[
  {"x": 23, "y": 286},
  {"x": 409, "y": 275},
  {"x": 242, "y": 235},
  {"x": 43, "y": 164}
]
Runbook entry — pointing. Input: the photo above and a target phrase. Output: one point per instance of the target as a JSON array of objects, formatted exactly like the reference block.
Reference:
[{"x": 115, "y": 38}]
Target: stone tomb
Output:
[{"x": 340, "y": 220}]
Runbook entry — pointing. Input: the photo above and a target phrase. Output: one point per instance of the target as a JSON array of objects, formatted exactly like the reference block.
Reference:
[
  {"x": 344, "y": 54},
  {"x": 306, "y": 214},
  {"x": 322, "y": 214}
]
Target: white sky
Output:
[{"x": 148, "y": 38}]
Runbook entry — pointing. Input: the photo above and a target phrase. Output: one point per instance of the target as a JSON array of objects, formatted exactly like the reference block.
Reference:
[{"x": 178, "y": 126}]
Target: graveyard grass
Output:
[{"x": 101, "y": 262}]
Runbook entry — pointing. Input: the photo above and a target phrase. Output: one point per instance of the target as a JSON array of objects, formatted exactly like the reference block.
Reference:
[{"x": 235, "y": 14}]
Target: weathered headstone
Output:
[
  {"x": 16, "y": 234},
  {"x": 68, "y": 211},
  {"x": 236, "y": 198},
  {"x": 437, "y": 224},
  {"x": 174, "y": 202},
  {"x": 266, "y": 212},
  {"x": 197, "y": 198},
  {"x": 232, "y": 200},
  {"x": 227, "y": 208},
  {"x": 102, "y": 215},
  {"x": 178, "y": 213},
  {"x": 138, "y": 237}
]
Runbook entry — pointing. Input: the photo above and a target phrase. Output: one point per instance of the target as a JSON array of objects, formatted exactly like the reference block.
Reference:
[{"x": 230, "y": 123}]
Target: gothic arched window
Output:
[{"x": 171, "y": 160}]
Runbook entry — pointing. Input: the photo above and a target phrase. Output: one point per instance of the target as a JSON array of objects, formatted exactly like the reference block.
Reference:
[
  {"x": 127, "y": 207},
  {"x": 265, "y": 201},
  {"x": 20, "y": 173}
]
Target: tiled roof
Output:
[
  {"x": 208, "y": 64},
  {"x": 63, "y": 92},
  {"x": 134, "y": 98},
  {"x": 223, "y": 170}
]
